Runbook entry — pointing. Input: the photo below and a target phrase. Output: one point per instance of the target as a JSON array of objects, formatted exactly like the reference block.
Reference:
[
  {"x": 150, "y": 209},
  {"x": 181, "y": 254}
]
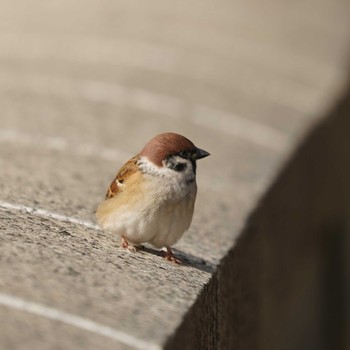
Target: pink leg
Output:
[
  {"x": 126, "y": 245},
  {"x": 169, "y": 255}
]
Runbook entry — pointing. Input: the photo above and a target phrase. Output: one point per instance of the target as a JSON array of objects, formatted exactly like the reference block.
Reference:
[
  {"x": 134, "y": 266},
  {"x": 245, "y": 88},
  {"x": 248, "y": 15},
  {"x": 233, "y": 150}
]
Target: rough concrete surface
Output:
[{"x": 83, "y": 85}]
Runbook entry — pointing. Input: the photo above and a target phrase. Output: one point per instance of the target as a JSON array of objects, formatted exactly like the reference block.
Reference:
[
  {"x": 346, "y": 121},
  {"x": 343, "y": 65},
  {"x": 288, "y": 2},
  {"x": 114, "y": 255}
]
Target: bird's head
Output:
[{"x": 173, "y": 151}]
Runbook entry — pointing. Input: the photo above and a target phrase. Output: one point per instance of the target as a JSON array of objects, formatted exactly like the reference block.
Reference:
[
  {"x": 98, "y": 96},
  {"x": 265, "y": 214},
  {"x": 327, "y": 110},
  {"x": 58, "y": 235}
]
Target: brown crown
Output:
[{"x": 163, "y": 145}]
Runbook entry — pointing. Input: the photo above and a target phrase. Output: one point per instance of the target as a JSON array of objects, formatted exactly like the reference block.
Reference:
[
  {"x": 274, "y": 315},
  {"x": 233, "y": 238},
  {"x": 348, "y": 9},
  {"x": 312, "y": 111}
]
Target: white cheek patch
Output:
[
  {"x": 175, "y": 184},
  {"x": 148, "y": 167}
]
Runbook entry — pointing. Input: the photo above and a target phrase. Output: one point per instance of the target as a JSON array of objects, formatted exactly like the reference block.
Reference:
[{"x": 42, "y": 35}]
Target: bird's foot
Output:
[
  {"x": 126, "y": 245},
  {"x": 169, "y": 255}
]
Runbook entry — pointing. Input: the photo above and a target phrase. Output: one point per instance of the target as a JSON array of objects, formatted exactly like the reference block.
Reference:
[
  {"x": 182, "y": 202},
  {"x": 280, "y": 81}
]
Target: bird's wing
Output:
[{"x": 129, "y": 168}]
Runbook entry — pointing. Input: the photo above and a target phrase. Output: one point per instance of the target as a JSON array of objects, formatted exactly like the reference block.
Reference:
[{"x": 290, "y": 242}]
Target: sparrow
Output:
[{"x": 152, "y": 197}]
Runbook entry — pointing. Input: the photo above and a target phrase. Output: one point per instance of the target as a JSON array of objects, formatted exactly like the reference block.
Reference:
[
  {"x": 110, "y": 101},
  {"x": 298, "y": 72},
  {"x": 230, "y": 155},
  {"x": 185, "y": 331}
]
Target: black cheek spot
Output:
[
  {"x": 176, "y": 166},
  {"x": 180, "y": 166}
]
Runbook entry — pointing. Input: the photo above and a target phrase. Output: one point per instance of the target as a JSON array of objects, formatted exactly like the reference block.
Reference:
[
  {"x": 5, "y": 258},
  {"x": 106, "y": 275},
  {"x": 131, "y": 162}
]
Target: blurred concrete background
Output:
[{"x": 83, "y": 85}]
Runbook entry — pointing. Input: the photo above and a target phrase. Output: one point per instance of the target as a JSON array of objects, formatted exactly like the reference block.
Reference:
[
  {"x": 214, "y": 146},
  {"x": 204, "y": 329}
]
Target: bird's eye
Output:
[{"x": 183, "y": 154}]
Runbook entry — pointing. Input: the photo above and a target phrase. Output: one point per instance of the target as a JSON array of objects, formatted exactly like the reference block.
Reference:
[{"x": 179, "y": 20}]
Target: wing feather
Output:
[{"x": 129, "y": 168}]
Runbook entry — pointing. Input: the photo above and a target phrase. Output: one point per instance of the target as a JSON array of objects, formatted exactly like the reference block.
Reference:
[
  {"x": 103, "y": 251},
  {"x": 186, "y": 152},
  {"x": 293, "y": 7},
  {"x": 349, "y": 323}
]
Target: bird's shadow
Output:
[{"x": 187, "y": 259}]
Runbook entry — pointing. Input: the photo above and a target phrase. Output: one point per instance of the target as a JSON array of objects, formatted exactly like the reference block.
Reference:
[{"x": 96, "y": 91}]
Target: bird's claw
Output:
[
  {"x": 169, "y": 255},
  {"x": 126, "y": 245}
]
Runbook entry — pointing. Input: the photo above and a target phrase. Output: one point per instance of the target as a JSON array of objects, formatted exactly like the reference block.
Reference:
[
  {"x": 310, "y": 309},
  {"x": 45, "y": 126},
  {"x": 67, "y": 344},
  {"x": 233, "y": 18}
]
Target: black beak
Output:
[{"x": 200, "y": 153}]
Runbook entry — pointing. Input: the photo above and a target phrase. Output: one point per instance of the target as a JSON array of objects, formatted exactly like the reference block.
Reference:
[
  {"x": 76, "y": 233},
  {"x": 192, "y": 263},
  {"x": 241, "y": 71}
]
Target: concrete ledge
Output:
[{"x": 285, "y": 284}]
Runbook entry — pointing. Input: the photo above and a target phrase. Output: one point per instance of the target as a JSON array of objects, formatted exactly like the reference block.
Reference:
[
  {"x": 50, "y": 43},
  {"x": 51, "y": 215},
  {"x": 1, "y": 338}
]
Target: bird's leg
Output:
[
  {"x": 126, "y": 245},
  {"x": 169, "y": 255}
]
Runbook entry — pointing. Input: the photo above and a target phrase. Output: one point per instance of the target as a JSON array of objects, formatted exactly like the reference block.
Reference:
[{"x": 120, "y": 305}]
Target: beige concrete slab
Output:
[{"x": 83, "y": 85}]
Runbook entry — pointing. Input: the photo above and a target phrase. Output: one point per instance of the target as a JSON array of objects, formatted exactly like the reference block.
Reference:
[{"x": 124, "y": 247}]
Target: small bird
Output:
[{"x": 151, "y": 199}]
